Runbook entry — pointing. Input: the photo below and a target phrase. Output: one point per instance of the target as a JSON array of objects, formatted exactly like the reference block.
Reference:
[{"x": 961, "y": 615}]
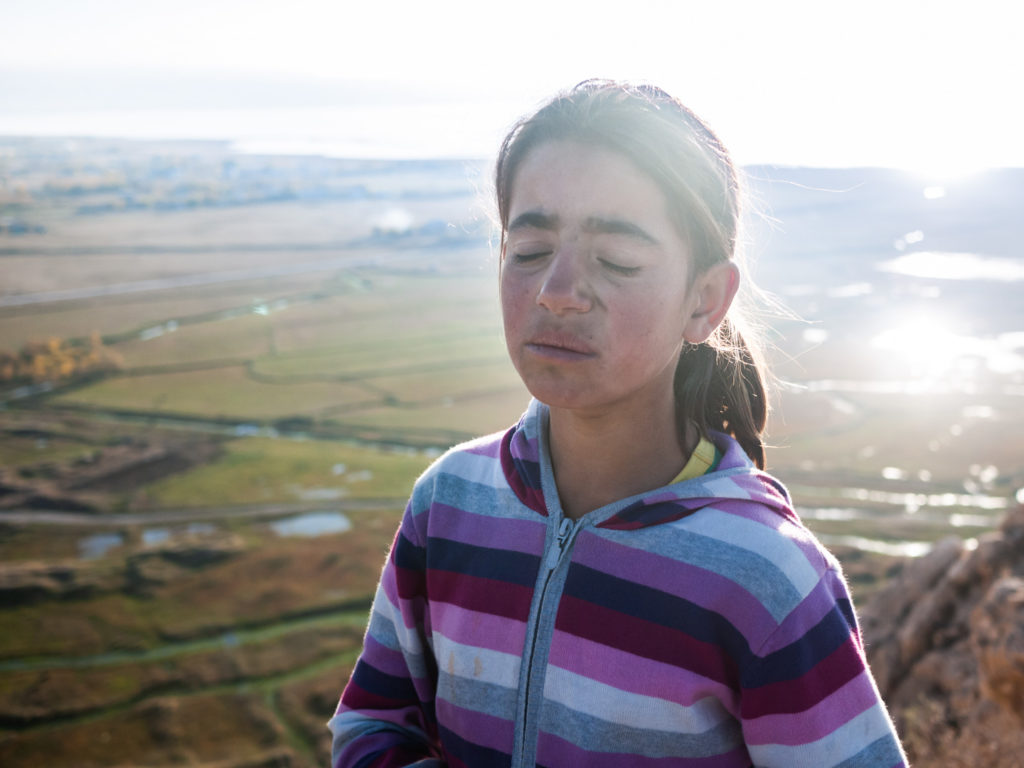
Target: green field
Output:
[{"x": 153, "y": 612}]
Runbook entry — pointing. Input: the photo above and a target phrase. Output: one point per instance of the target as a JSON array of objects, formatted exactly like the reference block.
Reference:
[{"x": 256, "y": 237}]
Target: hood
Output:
[{"x": 524, "y": 460}]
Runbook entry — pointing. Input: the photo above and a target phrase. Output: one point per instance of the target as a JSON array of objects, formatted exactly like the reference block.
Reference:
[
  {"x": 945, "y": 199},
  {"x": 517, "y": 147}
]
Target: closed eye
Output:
[
  {"x": 523, "y": 258},
  {"x": 618, "y": 269}
]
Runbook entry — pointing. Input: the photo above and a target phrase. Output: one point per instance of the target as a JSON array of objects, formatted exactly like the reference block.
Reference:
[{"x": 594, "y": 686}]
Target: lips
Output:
[{"x": 560, "y": 344}]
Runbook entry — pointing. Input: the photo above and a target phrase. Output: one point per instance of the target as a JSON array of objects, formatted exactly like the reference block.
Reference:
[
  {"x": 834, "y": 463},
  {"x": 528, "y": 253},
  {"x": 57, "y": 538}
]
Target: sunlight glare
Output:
[{"x": 926, "y": 343}]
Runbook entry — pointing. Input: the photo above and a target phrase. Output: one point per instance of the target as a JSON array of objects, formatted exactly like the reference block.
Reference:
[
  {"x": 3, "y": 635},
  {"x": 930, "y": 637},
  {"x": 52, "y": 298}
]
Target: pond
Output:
[
  {"x": 153, "y": 536},
  {"x": 312, "y": 524},
  {"x": 96, "y": 546}
]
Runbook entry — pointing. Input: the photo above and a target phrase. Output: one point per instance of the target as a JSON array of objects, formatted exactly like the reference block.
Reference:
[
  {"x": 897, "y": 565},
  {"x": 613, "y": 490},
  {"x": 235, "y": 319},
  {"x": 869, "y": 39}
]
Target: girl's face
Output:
[{"x": 594, "y": 281}]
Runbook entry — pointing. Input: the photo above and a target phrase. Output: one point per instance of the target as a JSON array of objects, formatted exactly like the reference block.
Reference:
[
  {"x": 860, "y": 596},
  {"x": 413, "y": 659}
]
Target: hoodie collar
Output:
[{"x": 525, "y": 459}]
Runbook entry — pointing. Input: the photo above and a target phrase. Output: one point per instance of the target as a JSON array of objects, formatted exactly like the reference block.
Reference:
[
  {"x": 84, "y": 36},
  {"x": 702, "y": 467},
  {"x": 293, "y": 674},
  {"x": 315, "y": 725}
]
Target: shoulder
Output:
[
  {"x": 466, "y": 479},
  {"x": 756, "y": 552},
  {"x": 475, "y": 460},
  {"x": 760, "y": 522}
]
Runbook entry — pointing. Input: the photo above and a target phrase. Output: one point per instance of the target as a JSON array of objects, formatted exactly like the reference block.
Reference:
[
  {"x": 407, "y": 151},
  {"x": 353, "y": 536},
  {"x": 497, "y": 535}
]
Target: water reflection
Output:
[
  {"x": 312, "y": 524},
  {"x": 97, "y": 545},
  {"x": 954, "y": 266},
  {"x": 891, "y": 548},
  {"x": 153, "y": 536}
]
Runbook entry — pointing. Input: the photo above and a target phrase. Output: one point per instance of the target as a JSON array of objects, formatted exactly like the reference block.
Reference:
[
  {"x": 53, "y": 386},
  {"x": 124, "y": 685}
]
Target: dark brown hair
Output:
[{"x": 719, "y": 383}]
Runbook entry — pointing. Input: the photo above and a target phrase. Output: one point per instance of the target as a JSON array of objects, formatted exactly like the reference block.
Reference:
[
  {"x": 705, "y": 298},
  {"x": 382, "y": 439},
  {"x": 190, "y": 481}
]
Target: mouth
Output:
[{"x": 559, "y": 345}]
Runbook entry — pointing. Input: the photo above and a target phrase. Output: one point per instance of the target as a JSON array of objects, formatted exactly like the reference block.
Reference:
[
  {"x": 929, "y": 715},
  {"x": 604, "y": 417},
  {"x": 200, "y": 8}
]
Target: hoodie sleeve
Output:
[
  {"x": 808, "y": 697},
  {"x": 386, "y": 715}
]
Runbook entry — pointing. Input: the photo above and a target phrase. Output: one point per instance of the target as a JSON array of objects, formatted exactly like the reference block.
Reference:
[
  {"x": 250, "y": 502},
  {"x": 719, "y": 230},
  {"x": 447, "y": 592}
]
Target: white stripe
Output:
[
  {"x": 726, "y": 488},
  {"x": 755, "y": 537},
  {"x": 635, "y": 710},
  {"x": 842, "y": 744},
  {"x": 473, "y": 663},
  {"x": 474, "y": 468}
]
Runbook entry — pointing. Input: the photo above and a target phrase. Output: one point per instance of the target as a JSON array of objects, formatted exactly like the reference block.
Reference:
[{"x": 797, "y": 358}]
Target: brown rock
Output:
[
  {"x": 30, "y": 581},
  {"x": 997, "y": 639},
  {"x": 946, "y": 643}
]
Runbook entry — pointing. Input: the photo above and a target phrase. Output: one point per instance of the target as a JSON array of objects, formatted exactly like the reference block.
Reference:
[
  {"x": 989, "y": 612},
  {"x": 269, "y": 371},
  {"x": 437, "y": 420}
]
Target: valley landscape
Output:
[{"x": 221, "y": 373}]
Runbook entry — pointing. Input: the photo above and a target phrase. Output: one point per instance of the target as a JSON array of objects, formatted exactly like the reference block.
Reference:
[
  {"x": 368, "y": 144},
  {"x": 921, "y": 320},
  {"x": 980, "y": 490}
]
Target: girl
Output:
[{"x": 614, "y": 581}]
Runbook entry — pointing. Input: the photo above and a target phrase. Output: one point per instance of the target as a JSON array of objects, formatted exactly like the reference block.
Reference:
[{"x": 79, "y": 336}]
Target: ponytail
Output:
[{"x": 719, "y": 386}]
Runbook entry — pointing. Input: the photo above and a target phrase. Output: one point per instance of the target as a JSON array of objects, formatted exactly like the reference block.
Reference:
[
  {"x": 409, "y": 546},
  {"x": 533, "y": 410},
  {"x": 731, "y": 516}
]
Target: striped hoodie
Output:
[{"x": 699, "y": 624}]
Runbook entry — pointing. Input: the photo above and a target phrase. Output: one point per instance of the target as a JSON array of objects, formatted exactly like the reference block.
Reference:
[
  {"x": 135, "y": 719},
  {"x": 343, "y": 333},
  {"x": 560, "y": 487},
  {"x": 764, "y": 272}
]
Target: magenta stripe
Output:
[
  {"x": 476, "y": 727},
  {"x": 482, "y": 530},
  {"x": 815, "y": 723},
  {"x": 486, "y": 446},
  {"x": 717, "y": 593},
  {"x": 478, "y": 593},
  {"x": 405, "y": 609},
  {"x": 383, "y": 658},
  {"x": 636, "y": 674},
  {"x": 552, "y": 750},
  {"x": 481, "y": 630},
  {"x": 816, "y": 684},
  {"x": 655, "y": 641}
]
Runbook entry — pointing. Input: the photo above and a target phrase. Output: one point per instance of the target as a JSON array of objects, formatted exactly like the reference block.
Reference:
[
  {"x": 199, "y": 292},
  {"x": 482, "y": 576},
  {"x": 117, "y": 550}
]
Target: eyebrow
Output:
[
  {"x": 595, "y": 225},
  {"x": 534, "y": 219},
  {"x": 599, "y": 226}
]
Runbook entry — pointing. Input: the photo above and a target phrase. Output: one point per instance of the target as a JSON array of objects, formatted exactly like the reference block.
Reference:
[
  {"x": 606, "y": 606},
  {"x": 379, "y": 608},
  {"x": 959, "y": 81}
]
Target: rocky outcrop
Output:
[
  {"x": 945, "y": 640},
  {"x": 162, "y": 564},
  {"x": 32, "y": 581},
  {"x": 93, "y": 481},
  {"x": 26, "y": 582}
]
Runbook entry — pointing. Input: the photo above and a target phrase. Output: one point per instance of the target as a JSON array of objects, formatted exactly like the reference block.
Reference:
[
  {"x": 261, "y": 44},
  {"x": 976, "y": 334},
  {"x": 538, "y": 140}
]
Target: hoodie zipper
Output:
[{"x": 566, "y": 530}]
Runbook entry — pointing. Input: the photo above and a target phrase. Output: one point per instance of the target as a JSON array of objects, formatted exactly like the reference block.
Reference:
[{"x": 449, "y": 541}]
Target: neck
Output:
[{"x": 602, "y": 458}]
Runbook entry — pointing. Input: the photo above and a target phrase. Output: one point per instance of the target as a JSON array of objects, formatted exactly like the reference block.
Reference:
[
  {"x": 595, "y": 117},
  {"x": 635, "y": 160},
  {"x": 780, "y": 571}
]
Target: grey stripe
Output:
[{"x": 602, "y": 736}]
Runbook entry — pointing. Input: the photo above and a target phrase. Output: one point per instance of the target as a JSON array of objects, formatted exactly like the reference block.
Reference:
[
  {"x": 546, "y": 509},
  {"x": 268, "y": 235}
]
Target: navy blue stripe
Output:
[
  {"x": 407, "y": 555},
  {"x": 471, "y": 754},
  {"x": 483, "y": 562},
  {"x": 657, "y": 607},
  {"x": 798, "y": 658},
  {"x": 371, "y": 679}
]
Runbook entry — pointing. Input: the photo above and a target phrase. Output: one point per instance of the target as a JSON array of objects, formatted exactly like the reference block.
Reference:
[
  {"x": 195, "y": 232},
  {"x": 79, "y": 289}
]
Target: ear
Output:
[{"x": 714, "y": 291}]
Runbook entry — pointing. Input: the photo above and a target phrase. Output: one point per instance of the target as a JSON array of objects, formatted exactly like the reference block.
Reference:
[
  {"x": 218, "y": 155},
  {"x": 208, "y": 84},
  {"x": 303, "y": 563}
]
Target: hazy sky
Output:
[{"x": 931, "y": 85}]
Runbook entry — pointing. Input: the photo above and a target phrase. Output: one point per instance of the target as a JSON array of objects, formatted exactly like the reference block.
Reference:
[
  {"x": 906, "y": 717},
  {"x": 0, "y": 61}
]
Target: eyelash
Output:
[
  {"x": 522, "y": 258},
  {"x": 618, "y": 269}
]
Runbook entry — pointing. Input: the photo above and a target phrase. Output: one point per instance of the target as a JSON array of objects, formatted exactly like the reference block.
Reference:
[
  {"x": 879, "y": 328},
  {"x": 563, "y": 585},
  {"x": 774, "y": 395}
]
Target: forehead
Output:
[{"x": 577, "y": 180}]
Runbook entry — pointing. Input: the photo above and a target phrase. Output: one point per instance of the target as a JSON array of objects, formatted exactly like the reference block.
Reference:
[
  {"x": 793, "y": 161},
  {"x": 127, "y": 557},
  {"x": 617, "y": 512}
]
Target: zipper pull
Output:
[{"x": 555, "y": 553}]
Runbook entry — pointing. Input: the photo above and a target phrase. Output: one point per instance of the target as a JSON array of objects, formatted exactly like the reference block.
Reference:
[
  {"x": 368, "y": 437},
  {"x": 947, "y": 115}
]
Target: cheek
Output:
[
  {"x": 650, "y": 328},
  {"x": 514, "y": 297}
]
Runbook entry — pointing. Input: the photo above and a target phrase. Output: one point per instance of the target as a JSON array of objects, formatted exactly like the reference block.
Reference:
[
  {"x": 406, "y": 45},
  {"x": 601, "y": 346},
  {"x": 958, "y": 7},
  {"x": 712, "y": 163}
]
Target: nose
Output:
[{"x": 565, "y": 288}]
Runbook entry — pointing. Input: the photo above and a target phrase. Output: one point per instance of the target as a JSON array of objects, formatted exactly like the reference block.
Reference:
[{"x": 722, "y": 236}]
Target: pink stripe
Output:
[
  {"x": 476, "y": 727},
  {"x": 551, "y": 750},
  {"x": 823, "y": 718},
  {"x": 636, "y": 674},
  {"x": 482, "y": 630},
  {"x": 483, "y": 530},
  {"x": 716, "y": 593}
]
